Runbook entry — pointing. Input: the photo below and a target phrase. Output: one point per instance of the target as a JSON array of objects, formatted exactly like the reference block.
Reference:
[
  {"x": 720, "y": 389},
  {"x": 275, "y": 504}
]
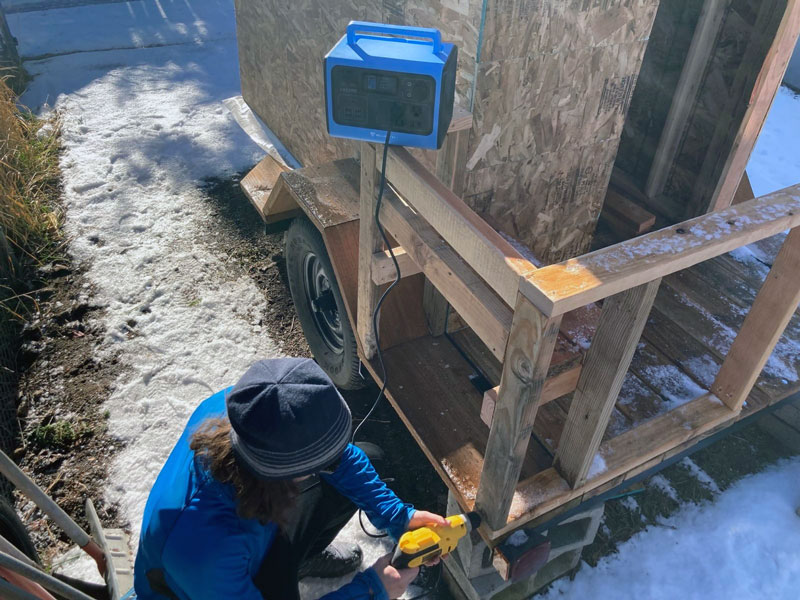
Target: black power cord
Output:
[{"x": 375, "y": 314}]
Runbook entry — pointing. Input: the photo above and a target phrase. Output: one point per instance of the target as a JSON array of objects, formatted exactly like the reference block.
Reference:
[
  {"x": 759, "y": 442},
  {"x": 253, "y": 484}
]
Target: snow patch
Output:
[
  {"x": 660, "y": 483},
  {"x": 598, "y": 466},
  {"x": 518, "y": 538},
  {"x": 701, "y": 475}
]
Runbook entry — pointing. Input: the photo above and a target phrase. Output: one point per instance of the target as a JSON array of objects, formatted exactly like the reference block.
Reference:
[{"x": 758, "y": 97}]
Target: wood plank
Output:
[
  {"x": 383, "y": 270},
  {"x": 369, "y": 242},
  {"x": 745, "y": 191},
  {"x": 621, "y": 323},
  {"x": 759, "y": 102},
  {"x": 328, "y": 193},
  {"x": 683, "y": 100},
  {"x": 259, "y": 184},
  {"x": 461, "y": 121},
  {"x": 774, "y": 305},
  {"x": 530, "y": 347},
  {"x": 547, "y": 490},
  {"x": 424, "y": 376},
  {"x": 483, "y": 310},
  {"x": 568, "y": 285},
  {"x": 566, "y": 355},
  {"x": 436, "y": 309},
  {"x": 627, "y": 219},
  {"x": 485, "y": 250},
  {"x": 554, "y": 387}
]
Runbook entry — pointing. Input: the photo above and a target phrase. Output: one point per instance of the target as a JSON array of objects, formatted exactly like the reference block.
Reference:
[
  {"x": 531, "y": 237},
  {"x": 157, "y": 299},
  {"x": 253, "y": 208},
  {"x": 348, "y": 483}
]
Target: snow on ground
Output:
[
  {"x": 139, "y": 86},
  {"x": 741, "y": 546},
  {"x": 775, "y": 162}
]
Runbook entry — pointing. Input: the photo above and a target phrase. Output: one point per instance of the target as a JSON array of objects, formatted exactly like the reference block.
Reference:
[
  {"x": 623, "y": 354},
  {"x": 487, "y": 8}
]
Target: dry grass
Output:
[{"x": 29, "y": 187}]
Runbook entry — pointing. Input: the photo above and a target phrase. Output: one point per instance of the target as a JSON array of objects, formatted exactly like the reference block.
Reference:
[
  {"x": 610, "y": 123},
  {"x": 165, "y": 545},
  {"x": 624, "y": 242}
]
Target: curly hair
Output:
[{"x": 255, "y": 498}]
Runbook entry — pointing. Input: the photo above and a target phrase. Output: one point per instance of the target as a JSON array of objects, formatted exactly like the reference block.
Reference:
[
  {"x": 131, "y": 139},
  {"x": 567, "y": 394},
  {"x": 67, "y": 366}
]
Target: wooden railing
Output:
[{"x": 516, "y": 310}]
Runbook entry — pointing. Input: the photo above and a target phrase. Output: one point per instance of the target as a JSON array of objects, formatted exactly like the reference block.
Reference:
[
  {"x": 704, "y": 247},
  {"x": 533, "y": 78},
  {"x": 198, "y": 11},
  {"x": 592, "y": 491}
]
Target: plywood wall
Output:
[
  {"x": 549, "y": 83},
  {"x": 554, "y": 85}
]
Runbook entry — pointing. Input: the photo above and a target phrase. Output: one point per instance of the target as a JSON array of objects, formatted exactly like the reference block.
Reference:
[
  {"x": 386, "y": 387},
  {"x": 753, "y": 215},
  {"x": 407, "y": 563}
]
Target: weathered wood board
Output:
[{"x": 548, "y": 82}]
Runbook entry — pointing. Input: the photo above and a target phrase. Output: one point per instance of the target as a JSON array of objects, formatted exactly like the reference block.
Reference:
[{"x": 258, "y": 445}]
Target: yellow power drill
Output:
[{"x": 426, "y": 543}]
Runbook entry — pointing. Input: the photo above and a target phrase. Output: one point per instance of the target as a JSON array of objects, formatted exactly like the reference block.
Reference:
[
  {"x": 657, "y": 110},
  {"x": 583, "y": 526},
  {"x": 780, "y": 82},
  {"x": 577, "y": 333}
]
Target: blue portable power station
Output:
[{"x": 388, "y": 77}]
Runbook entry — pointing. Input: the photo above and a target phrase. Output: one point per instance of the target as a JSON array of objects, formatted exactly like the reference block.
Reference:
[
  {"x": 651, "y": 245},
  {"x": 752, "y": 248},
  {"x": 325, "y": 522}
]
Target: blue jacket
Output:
[{"x": 192, "y": 534}]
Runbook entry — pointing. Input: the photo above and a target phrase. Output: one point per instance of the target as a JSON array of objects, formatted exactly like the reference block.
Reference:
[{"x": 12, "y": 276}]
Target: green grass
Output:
[{"x": 29, "y": 186}]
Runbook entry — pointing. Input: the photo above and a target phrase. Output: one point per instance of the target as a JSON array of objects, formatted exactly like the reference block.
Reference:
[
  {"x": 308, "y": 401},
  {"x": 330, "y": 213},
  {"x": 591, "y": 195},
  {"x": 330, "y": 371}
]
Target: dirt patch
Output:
[{"x": 64, "y": 444}]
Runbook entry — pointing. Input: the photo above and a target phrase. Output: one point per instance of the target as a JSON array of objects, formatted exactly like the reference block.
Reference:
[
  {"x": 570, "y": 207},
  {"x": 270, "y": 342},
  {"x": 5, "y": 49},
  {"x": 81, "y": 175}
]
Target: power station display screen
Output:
[{"x": 383, "y": 100}]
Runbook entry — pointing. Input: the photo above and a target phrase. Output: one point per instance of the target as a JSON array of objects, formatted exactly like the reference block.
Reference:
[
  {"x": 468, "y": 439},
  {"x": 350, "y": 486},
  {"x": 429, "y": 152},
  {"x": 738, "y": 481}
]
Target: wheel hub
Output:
[{"x": 322, "y": 301}]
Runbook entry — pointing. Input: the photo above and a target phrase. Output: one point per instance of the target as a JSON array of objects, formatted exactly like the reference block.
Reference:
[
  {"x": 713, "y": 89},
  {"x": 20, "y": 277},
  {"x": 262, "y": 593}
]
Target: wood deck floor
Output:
[{"x": 693, "y": 322}]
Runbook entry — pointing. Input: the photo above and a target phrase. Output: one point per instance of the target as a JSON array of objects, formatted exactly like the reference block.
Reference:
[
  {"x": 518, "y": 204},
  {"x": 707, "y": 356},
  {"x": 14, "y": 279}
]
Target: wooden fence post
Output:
[
  {"x": 527, "y": 358},
  {"x": 621, "y": 323},
  {"x": 369, "y": 242},
  {"x": 771, "y": 311}
]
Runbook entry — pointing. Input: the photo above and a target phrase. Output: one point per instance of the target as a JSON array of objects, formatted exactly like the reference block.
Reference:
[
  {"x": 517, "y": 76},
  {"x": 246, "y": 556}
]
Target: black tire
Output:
[
  {"x": 320, "y": 306},
  {"x": 14, "y": 531}
]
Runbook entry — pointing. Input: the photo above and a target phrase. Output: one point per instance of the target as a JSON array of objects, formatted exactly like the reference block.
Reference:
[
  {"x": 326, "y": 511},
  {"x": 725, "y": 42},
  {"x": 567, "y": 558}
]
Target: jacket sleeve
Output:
[
  {"x": 356, "y": 478},
  {"x": 365, "y": 586}
]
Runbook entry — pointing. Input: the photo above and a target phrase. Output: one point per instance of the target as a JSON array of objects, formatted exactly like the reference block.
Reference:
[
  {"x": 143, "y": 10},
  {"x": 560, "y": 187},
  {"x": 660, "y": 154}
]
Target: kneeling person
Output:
[{"x": 255, "y": 490}]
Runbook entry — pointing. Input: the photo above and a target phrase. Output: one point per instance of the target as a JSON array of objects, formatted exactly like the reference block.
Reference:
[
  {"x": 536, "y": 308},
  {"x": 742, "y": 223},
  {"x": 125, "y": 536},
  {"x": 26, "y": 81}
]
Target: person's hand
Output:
[
  {"x": 395, "y": 581},
  {"x": 421, "y": 518}
]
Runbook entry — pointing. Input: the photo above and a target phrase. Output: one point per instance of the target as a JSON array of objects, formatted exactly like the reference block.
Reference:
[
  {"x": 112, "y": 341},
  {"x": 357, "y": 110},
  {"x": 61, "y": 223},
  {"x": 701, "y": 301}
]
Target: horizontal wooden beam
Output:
[
  {"x": 383, "y": 270},
  {"x": 472, "y": 297},
  {"x": 576, "y": 282},
  {"x": 554, "y": 387},
  {"x": 486, "y": 251},
  {"x": 547, "y": 490}
]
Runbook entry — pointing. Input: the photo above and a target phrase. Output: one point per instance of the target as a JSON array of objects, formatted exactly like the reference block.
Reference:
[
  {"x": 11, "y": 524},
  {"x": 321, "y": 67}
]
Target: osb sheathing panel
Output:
[
  {"x": 281, "y": 48},
  {"x": 554, "y": 84},
  {"x": 552, "y": 90}
]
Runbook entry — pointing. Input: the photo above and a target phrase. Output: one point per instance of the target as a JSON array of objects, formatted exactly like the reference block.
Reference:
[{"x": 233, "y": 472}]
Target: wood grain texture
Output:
[
  {"x": 383, "y": 270},
  {"x": 477, "y": 304},
  {"x": 547, "y": 490},
  {"x": 530, "y": 347},
  {"x": 576, "y": 282},
  {"x": 554, "y": 387},
  {"x": 369, "y": 243},
  {"x": 486, "y": 251},
  {"x": 626, "y": 218},
  {"x": 258, "y": 185},
  {"x": 621, "y": 324},
  {"x": 774, "y": 305}
]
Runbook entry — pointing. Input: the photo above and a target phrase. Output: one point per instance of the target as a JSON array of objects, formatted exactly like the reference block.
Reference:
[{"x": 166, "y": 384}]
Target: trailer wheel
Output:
[
  {"x": 12, "y": 529},
  {"x": 320, "y": 306}
]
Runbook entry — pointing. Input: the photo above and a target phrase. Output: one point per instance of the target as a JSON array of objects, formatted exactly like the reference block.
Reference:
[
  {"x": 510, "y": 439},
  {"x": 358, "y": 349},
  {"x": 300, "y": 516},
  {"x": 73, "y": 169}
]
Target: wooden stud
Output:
[
  {"x": 266, "y": 190},
  {"x": 528, "y": 352},
  {"x": 772, "y": 309},
  {"x": 383, "y": 270},
  {"x": 758, "y": 103},
  {"x": 369, "y": 243},
  {"x": 683, "y": 99},
  {"x": 621, "y": 323},
  {"x": 436, "y": 309},
  {"x": 576, "y": 282},
  {"x": 554, "y": 387}
]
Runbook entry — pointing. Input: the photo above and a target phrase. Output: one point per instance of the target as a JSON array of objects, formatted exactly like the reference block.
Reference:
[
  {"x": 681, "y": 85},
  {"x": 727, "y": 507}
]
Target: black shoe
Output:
[{"x": 338, "y": 559}]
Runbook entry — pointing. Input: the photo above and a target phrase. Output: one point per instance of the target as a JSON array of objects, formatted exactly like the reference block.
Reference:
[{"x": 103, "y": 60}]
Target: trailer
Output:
[{"x": 540, "y": 383}]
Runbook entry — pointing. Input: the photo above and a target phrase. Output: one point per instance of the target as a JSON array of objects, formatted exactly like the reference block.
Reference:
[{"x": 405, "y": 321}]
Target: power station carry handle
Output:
[{"x": 428, "y": 33}]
